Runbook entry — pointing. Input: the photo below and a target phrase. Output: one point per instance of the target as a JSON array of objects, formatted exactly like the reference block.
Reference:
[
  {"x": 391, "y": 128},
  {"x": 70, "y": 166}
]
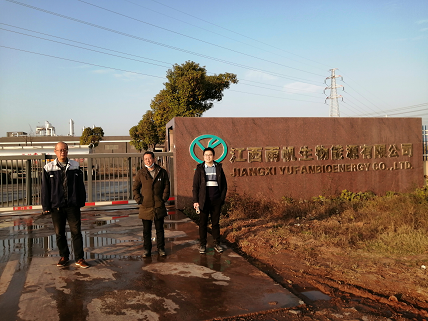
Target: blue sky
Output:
[{"x": 281, "y": 51}]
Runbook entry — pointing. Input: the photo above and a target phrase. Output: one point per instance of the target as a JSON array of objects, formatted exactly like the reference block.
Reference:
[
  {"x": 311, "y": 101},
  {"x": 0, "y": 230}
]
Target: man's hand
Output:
[{"x": 196, "y": 207}]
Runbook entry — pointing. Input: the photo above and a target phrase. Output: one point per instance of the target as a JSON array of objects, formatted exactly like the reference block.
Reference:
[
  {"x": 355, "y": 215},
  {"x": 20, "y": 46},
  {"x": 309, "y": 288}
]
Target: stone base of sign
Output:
[{"x": 300, "y": 157}]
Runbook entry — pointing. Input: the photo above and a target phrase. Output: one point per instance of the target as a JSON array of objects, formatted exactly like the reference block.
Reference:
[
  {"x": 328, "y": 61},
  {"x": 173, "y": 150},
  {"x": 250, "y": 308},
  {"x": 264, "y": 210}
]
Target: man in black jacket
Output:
[
  {"x": 209, "y": 193},
  {"x": 63, "y": 194}
]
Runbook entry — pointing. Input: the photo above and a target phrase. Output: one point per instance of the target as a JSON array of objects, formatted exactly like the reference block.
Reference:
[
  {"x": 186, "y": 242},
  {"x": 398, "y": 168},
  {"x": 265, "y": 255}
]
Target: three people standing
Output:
[
  {"x": 151, "y": 190},
  {"x": 63, "y": 194},
  {"x": 209, "y": 194}
]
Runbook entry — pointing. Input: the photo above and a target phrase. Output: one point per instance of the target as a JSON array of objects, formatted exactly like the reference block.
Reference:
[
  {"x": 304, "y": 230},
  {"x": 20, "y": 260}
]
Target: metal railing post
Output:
[
  {"x": 28, "y": 182},
  {"x": 89, "y": 175},
  {"x": 130, "y": 178}
]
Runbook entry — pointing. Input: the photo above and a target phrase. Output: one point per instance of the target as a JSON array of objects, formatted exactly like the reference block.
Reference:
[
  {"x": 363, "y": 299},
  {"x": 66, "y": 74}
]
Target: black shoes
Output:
[{"x": 62, "y": 261}]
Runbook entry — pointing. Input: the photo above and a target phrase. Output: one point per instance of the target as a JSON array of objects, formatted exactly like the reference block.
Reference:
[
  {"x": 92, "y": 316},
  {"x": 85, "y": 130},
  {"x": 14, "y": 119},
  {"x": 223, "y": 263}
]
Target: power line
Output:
[
  {"x": 156, "y": 43},
  {"x": 129, "y": 71},
  {"x": 193, "y": 38},
  {"x": 349, "y": 86},
  {"x": 81, "y": 62},
  {"x": 358, "y": 100},
  {"x": 281, "y": 90},
  {"x": 392, "y": 111},
  {"x": 209, "y": 22},
  {"x": 388, "y": 112},
  {"x": 351, "y": 105},
  {"x": 307, "y": 101},
  {"x": 82, "y": 43},
  {"x": 66, "y": 44},
  {"x": 216, "y": 33},
  {"x": 278, "y": 86},
  {"x": 408, "y": 112},
  {"x": 122, "y": 53}
]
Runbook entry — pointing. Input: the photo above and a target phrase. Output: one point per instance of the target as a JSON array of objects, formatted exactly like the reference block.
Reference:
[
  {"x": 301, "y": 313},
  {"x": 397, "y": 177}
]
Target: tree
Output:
[
  {"x": 137, "y": 140},
  {"x": 145, "y": 134},
  {"x": 189, "y": 92},
  {"x": 91, "y": 136}
]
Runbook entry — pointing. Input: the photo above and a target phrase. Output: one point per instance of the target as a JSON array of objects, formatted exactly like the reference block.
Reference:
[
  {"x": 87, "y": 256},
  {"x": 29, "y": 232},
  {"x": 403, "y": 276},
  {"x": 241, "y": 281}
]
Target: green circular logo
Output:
[{"x": 213, "y": 142}]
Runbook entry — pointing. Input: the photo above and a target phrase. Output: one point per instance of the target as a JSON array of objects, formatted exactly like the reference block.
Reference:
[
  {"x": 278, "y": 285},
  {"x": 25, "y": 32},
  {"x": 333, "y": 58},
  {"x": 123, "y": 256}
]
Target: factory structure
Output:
[
  {"x": 44, "y": 138},
  {"x": 46, "y": 130}
]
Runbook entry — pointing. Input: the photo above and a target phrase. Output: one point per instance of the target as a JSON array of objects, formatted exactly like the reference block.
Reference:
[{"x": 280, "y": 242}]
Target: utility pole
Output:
[{"x": 334, "y": 103}]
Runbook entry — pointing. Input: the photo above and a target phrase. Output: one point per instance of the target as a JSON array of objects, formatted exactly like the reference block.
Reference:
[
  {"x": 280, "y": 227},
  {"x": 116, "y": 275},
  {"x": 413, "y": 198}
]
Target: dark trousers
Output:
[
  {"x": 59, "y": 218},
  {"x": 210, "y": 208},
  {"x": 147, "y": 234}
]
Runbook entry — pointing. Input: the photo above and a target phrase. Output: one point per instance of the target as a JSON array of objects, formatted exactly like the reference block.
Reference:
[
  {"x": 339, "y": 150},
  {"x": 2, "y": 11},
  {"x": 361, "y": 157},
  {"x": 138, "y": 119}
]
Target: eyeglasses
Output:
[{"x": 62, "y": 150}]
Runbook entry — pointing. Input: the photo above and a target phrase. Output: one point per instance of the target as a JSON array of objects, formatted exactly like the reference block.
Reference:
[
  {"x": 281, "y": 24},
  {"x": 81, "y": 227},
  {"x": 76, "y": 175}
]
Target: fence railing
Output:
[{"x": 108, "y": 177}]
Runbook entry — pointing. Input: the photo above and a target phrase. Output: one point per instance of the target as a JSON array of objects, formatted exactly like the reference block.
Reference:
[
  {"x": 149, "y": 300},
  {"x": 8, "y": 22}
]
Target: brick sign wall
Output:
[{"x": 300, "y": 157}]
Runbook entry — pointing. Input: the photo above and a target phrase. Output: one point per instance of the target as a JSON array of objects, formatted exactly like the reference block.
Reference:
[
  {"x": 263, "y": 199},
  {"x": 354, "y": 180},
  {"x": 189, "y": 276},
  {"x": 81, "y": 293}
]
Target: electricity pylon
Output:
[{"x": 334, "y": 103}]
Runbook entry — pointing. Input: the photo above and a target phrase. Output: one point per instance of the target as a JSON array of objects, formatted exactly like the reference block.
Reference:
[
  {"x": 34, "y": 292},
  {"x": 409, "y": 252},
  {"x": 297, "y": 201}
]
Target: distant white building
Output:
[{"x": 48, "y": 130}]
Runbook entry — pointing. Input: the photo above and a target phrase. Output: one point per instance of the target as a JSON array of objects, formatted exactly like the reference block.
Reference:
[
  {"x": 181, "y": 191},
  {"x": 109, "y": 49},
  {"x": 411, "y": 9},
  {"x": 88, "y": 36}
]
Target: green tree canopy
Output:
[
  {"x": 145, "y": 134},
  {"x": 91, "y": 136},
  {"x": 137, "y": 140},
  {"x": 189, "y": 92}
]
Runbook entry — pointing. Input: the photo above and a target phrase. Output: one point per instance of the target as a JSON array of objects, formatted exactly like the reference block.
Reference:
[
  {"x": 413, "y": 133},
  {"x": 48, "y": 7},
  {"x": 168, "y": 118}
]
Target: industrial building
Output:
[{"x": 45, "y": 138}]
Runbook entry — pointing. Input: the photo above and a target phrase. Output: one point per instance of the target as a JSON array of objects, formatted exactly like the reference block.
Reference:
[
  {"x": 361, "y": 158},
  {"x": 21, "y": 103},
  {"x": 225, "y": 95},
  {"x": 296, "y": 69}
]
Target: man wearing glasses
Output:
[{"x": 63, "y": 194}]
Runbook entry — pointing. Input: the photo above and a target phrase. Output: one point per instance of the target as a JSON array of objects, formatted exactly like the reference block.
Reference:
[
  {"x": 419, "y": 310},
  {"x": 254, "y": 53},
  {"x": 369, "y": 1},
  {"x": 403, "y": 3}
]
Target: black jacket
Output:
[
  {"x": 53, "y": 191},
  {"x": 199, "y": 184}
]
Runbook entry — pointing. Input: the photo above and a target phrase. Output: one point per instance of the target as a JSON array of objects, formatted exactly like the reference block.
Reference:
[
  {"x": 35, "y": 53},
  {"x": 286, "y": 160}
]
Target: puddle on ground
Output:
[
  {"x": 25, "y": 225},
  {"x": 316, "y": 295},
  {"x": 34, "y": 236},
  {"x": 99, "y": 222}
]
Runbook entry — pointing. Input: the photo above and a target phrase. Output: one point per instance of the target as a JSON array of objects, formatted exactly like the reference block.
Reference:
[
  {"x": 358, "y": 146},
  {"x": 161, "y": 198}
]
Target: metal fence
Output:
[{"x": 108, "y": 177}]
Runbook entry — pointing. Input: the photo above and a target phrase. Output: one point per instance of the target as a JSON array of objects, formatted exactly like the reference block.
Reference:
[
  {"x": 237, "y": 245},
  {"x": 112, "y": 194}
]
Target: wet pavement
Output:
[{"x": 120, "y": 284}]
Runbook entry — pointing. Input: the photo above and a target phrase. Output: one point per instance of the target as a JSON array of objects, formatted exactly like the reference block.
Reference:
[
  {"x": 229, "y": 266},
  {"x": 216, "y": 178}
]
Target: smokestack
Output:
[{"x": 71, "y": 127}]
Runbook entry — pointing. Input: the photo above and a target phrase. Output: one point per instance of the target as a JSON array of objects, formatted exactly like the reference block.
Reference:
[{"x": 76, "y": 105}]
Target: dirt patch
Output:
[{"x": 360, "y": 286}]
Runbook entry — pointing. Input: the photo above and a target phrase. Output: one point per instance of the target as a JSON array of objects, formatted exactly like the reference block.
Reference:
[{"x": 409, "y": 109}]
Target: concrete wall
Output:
[{"x": 330, "y": 154}]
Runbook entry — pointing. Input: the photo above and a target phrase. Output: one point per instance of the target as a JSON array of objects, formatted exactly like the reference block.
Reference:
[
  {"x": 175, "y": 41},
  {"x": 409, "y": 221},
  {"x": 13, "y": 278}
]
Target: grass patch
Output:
[{"x": 393, "y": 224}]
